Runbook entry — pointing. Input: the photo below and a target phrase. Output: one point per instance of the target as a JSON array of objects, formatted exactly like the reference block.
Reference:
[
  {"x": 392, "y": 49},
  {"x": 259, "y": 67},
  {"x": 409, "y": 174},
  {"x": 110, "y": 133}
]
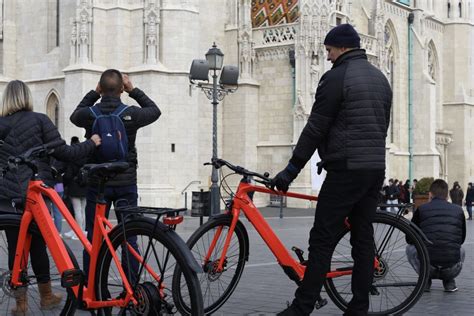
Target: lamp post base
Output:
[{"x": 215, "y": 203}]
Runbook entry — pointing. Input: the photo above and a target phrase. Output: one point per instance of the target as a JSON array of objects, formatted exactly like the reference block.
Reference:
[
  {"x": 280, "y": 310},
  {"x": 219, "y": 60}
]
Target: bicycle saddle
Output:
[{"x": 105, "y": 170}]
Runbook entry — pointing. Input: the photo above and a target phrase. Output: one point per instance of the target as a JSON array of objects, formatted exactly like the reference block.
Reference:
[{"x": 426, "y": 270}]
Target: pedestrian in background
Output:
[
  {"x": 456, "y": 194},
  {"x": 444, "y": 225},
  {"x": 392, "y": 195},
  {"x": 469, "y": 200},
  {"x": 75, "y": 188}
]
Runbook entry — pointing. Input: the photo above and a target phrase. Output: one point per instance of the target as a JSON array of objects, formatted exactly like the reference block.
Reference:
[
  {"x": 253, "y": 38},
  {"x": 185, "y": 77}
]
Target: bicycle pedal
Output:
[
  {"x": 299, "y": 253},
  {"x": 72, "y": 277},
  {"x": 320, "y": 303}
]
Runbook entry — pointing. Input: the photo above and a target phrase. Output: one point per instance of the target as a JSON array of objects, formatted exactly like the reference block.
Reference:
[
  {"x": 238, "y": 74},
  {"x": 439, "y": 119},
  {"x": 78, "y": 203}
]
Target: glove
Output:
[{"x": 283, "y": 179}]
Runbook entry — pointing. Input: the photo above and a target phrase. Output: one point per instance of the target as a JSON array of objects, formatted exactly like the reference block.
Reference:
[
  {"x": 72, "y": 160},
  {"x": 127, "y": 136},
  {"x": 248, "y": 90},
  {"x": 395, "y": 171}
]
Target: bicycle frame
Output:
[
  {"x": 36, "y": 209},
  {"x": 241, "y": 201}
]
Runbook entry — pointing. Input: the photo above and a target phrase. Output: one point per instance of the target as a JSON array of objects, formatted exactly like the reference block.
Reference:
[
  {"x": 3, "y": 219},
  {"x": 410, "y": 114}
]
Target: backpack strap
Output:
[
  {"x": 95, "y": 111},
  {"x": 119, "y": 110}
]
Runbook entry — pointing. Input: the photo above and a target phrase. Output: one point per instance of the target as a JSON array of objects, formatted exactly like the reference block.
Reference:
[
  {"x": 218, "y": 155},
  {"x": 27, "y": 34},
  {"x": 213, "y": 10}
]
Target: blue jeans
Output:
[
  {"x": 119, "y": 196},
  {"x": 442, "y": 273},
  {"x": 469, "y": 209},
  {"x": 57, "y": 217}
]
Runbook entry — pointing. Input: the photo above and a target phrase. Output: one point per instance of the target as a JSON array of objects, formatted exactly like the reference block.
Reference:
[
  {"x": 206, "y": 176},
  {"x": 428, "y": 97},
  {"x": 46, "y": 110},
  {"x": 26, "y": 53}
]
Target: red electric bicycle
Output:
[
  {"x": 222, "y": 247},
  {"x": 123, "y": 279}
]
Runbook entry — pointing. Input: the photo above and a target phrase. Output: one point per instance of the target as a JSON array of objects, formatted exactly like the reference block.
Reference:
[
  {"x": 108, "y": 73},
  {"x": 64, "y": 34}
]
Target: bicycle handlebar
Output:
[
  {"x": 218, "y": 163},
  {"x": 28, "y": 156}
]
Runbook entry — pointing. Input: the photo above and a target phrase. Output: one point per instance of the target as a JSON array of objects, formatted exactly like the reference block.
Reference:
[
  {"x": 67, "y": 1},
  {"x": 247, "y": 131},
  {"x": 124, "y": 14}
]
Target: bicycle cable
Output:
[{"x": 225, "y": 186}]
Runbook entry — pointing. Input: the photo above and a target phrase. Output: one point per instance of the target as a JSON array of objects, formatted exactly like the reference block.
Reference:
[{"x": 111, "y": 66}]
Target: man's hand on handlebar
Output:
[{"x": 284, "y": 178}]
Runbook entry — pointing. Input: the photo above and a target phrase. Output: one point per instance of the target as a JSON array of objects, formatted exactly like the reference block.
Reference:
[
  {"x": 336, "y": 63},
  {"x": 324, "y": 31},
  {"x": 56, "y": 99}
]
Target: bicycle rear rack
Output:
[{"x": 171, "y": 216}]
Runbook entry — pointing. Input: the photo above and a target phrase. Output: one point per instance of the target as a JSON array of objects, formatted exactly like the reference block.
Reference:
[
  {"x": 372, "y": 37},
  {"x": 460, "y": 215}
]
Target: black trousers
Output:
[
  {"x": 38, "y": 255},
  {"x": 345, "y": 193}
]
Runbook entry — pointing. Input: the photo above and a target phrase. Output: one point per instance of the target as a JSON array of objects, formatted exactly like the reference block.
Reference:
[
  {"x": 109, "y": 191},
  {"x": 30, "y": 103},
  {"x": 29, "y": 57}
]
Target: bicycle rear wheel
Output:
[
  {"x": 216, "y": 287},
  {"x": 154, "y": 288},
  {"x": 10, "y": 224},
  {"x": 396, "y": 286}
]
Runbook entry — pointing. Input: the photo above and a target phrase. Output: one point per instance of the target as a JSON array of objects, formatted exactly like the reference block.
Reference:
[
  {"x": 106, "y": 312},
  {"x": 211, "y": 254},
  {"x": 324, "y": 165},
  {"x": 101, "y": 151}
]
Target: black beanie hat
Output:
[{"x": 343, "y": 35}]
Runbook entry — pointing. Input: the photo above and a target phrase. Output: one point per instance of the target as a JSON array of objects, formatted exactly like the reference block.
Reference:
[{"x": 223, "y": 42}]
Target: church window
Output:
[
  {"x": 53, "y": 24},
  {"x": 52, "y": 108}
]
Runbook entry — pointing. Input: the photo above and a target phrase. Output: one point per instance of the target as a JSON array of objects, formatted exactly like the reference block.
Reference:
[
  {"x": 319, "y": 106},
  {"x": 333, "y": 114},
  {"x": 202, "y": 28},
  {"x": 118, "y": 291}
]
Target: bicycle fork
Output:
[{"x": 220, "y": 265}]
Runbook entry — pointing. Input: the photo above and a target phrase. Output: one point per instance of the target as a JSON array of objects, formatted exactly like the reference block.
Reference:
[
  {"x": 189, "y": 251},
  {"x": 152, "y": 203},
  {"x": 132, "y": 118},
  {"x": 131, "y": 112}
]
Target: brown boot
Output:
[
  {"x": 21, "y": 302},
  {"x": 49, "y": 300}
]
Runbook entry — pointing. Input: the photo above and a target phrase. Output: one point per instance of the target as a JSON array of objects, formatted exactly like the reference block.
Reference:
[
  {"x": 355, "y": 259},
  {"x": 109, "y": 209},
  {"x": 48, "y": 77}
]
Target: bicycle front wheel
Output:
[
  {"x": 9, "y": 228},
  {"x": 216, "y": 286},
  {"x": 396, "y": 285},
  {"x": 148, "y": 256}
]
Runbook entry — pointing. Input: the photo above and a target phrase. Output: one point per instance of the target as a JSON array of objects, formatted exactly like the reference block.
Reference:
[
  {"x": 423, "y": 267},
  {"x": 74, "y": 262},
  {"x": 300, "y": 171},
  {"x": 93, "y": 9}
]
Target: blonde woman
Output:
[{"x": 21, "y": 129}]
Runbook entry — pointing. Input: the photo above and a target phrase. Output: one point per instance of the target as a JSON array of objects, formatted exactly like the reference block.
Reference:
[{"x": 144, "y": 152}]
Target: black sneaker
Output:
[
  {"x": 450, "y": 286},
  {"x": 428, "y": 286}
]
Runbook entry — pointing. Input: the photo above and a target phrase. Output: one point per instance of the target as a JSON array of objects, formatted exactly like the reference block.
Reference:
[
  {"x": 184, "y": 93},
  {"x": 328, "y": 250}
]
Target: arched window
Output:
[{"x": 52, "y": 108}]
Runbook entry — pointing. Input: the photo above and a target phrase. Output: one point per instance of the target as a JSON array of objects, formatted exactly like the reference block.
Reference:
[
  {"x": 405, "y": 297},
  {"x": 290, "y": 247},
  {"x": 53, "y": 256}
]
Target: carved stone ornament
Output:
[
  {"x": 151, "y": 22},
  {"x": 431, "y": 63},
  {"x": 81, "y": 31}
]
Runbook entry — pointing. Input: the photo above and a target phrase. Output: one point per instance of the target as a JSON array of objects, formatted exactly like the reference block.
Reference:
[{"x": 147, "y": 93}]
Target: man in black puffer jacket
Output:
[
  {"x": 444, "y": 224},
  {"x": 123, "y": 187},
  {"x": 348, "y": 126}
]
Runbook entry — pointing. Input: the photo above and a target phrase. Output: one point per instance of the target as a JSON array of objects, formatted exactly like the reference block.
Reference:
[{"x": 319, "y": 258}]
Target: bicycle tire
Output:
[
  {"x": 7, "y": 301},
  {"x": 109, "y": 283},
  {"x": 199, "y": 243},
  {"x": 383, "y": 299}
]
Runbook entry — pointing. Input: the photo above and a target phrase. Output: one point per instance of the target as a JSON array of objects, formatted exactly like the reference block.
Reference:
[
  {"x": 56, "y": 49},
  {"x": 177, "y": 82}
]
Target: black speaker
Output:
[
  {"x": 199, "y": 70},
  {"x": 229, "y": 75}
]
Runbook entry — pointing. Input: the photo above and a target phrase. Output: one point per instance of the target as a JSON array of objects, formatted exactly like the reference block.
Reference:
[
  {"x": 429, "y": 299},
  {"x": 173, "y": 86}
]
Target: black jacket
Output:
[
  {"x": 350, "y": 116},
  {"x": 456, "y": 196},
  {"x": 24, "y": 130},
  {"x": 470, "y": 196},
  {"x": 133, "y": 118},
  {"x": 74, "y": 184},
  {"x": 445, "y": 226}
]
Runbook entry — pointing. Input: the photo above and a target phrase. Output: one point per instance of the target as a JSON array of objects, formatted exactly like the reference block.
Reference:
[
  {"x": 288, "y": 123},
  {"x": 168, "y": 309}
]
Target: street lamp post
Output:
[{"x": 214, "y": 92}]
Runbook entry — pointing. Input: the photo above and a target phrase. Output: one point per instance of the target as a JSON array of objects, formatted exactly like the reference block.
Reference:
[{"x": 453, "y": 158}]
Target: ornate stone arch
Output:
[
  {"x": 389, "y": 65},
  {"x": 52, "y": 106}
]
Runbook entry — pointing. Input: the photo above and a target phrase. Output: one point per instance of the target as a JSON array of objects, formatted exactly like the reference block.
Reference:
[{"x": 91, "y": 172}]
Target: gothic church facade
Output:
[{"x": 425, "y": 47}]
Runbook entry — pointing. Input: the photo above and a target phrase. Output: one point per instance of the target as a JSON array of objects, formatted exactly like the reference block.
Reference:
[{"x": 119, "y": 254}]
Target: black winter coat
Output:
[
  {"x": 24, "y": 130},
  {"x": 444, "y": 225},
  {"x": 350, "y": 116},
  {"x": 133, "y": 118},
  {"x": 456, "y": 196},
  {"x": 470, "y": 196},
  {"x": 74, "y": 184}
]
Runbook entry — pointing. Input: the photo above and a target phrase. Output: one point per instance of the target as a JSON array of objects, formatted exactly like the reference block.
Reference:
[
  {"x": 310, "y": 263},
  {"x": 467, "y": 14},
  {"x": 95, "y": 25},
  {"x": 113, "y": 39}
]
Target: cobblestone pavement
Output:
[{"x": 264, "y": 289}]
